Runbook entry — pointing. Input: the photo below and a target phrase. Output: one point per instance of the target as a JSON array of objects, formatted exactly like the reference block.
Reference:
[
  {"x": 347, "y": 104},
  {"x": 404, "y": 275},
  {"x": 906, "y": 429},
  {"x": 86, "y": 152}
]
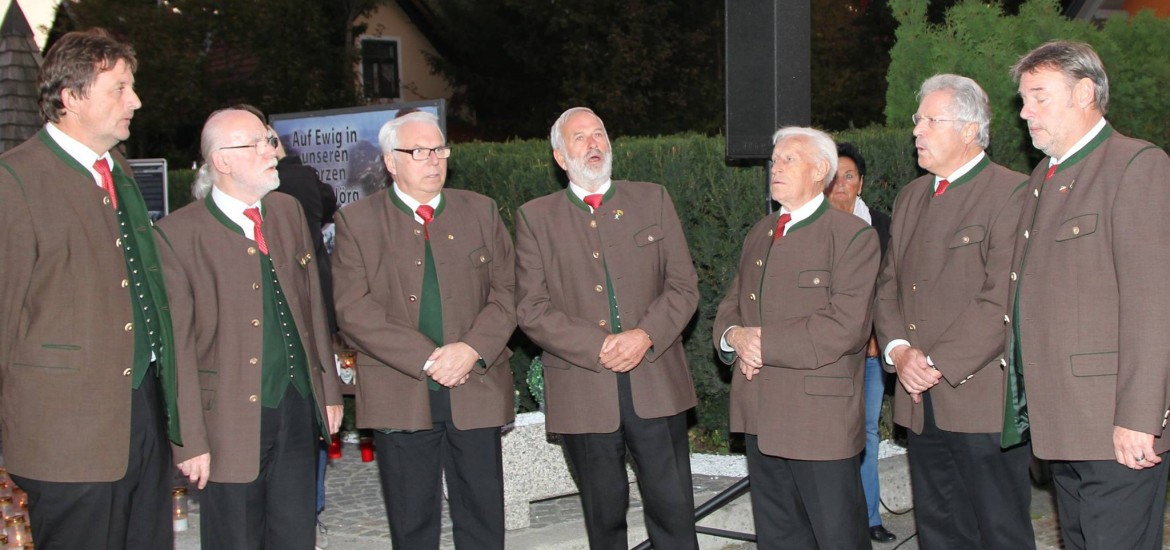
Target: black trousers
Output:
[
  {"x": 276, "y": 511},
  {"x": 969, "y": 492},
  {"x": 411, "y": 466},
  {"x": 806, "y": 504},
  {"x": 133, "y": 513},
  {"x": 1104, "y": 505},
  {"x": 662, "y": 462}
]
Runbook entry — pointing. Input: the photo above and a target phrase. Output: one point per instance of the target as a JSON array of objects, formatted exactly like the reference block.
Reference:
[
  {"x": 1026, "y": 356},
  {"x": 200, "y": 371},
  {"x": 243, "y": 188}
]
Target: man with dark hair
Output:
[
  {"x": 86, "y": 348},
  {"x": 940, "y": 305},
  {"x": 1087, "y": 376},
  {"x": 249, "y": 312},
  {"x": 431, "y": 319},
  {"x": 605, "y": 286}
]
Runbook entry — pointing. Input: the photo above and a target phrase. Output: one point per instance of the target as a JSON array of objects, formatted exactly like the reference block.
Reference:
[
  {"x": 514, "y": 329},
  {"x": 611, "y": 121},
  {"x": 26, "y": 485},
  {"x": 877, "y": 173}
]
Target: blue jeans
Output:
[{"x": 875, "y": 388}]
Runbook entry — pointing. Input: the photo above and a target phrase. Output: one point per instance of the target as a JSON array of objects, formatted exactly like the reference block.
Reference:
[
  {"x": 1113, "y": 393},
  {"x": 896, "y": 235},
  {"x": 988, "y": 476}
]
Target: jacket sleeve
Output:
[{"x": 889, "y": 324}]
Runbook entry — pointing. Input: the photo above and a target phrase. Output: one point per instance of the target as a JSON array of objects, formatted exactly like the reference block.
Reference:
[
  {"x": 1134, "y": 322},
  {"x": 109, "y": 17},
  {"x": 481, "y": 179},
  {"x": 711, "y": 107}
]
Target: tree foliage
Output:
[
  {"x": 195, "y": 56},
  {"x": 850, "y": 51},
  {"x": 979, "y": 40}
]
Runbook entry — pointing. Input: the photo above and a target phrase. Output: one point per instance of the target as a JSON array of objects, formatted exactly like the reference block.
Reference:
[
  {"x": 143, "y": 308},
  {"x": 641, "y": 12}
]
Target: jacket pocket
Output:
[
  {"x": 1077, "y": 227},
  {"x": 480, "y": 257},
  {"x": 969, "y": 235},
  {"x": 648, "y": 236},
  {"x": 839, "y": 386},
  {"x": 1094, "y": 364}
]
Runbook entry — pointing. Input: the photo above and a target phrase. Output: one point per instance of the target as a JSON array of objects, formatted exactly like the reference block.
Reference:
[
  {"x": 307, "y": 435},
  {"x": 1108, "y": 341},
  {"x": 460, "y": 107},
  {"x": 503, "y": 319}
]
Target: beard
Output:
[{"x": 581, "y": 174}]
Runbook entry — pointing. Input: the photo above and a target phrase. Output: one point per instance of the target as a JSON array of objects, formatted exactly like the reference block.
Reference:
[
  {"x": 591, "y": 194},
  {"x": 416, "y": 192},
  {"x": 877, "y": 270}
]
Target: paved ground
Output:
[{"x": 356, "y": 517}]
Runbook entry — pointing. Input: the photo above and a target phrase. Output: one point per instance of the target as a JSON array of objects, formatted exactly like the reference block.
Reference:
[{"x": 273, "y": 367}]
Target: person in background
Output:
[{"x": 845, "y": 195}]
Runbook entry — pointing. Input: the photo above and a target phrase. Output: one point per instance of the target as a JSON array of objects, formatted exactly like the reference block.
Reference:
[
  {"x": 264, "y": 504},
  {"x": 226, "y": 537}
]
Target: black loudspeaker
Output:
[{"x": 768, "y": 72}]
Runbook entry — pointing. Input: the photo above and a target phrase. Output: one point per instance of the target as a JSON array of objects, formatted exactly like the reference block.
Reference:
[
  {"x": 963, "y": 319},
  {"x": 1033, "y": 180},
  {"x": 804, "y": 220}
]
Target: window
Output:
[{"x": 380, "y": 68}]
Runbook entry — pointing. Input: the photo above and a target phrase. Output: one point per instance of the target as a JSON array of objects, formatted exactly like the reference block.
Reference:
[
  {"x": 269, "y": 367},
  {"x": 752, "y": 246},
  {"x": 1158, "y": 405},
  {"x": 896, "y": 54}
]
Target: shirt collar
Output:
[
  {"x": 234, "y": 208},
  {"x": 960, "y": 171},
  {"x": 413, "y": 204},
  {"x": 1081, "y": 143},
  {"x": 82, "y": 154},
  {"x": 581, "y": 192},
  {"x": 802, "y": 213}
]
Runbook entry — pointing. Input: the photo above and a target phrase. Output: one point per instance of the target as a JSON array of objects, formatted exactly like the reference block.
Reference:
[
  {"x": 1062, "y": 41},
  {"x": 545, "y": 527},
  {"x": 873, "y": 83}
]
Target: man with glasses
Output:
[
  {"x": 424, "y": 290},
  {"x": 940, "y": 302},
  {"x": 250, "y": 316}
]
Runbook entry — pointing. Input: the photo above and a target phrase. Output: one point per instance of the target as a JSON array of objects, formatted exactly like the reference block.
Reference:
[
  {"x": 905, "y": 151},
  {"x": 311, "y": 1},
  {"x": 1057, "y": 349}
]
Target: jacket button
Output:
[
  {"x": 598, "y": 288},
  {"x": 1002, "y": 362},
  {"x": 816, "y": 280},
  {"x": 450, "y": 237},
  {"x": 125, "y": 283},
  {"x": 129, "y": 327},
  {"x": 418, "y": 231},
  {"x": 253, "y": 398},
  {"x": 253, "y": 361},
  {"x": 482, "y": 259},
  {"x": 914, "y": 286},
  {"x": 118, "y": 242},
  {"x": 759, "y": 263},
  {"x": 752, "y": 296},
  {"x": 127, "y": 372},
  {"x": 1025, "y": 233},
  {"x": 418, "y": 262},
  {"x": 602, "y": 323},
  {"x": 106, "y": 200},
  {"x": 1035, "y": 192},
  {"x": 771, "y": 232},
  {"x": 596, "y": 254},
  {"x": 650, "y": 238},
  {"x": 912, "y": 327},
  {"x": 966, "y": 239},
  {"x": 593, "y": 223},
  {"x": 1013, "y": 276},
  {"x": 255, "y": 322},
  {"x": 255, "y": 286},
  {"x": 1076, "y": 230},
  {"x": 251, "y": 251},
  {"x": 412, "y": 298},
  {"x": 1007, "y": 319}
]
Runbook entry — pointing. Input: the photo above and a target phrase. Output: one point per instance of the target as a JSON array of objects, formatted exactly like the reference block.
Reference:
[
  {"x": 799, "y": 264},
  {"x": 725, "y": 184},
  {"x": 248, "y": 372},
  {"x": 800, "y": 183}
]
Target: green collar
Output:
[
  {"x": 68, "y": 159},
  {"x": 970, "y": 175},
  {"x": 824, "y": 207},
  {"x": 403, "y": 207},
  {"x": 573, "y": 198},
  {"x": 1089, "y": 147},
  {"x": 223, "y": 218}
]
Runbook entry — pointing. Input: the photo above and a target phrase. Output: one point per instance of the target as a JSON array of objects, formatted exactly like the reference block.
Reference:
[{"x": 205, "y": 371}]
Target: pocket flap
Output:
[
  {"x": 1094, "y": 364},
  {"x": 828, "y": 385},
  {"x": 650, "y": 235},
  {"x": 813, "y": 278},
  {"x": 968, "y": 235},
  {"x": 1077, "y": 227}
]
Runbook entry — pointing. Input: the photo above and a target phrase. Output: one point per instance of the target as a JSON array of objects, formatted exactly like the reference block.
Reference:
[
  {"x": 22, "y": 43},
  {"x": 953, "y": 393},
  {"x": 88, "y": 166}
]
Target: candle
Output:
[
  {"x": 179, "y": 507},
  {"x": 335, "y": 447},
  {"x": 367, "y": 446}
]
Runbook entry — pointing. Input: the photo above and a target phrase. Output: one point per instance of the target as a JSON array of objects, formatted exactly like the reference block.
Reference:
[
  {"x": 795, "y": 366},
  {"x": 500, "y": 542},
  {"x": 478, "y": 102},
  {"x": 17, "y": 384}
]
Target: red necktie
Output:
[
  {"x": 780, "y": 223},
  {"x": 427, "y": 213},
  {"x": 594, "y": 200},
  {"x": 103, "y": 168},
  {"x": 1051, "y": 170},
  {"x": 254, "y": 215},
  {"x": 942, "y": 187}
]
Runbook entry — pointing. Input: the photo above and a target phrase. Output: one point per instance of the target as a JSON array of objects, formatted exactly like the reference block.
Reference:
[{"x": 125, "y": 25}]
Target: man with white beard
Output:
[{"x": 605, "y": 286}]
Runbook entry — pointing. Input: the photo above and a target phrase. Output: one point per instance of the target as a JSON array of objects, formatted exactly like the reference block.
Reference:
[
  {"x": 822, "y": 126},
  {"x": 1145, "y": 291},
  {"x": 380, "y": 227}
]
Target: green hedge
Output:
[{"x": 716, "y": 203}]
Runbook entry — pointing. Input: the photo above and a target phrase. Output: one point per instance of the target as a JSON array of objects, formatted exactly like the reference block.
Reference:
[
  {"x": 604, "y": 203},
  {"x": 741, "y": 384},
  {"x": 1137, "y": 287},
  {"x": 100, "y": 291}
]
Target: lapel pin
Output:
[
  {"x": 617, "y": 214},
  {"x": 304, "y": 260}
]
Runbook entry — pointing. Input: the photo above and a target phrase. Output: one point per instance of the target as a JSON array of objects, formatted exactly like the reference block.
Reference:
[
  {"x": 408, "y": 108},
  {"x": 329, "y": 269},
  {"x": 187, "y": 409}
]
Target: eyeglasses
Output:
[
  {"x": 424, "y": 153},
  {"x": 270, "y": 141},
  {"x": 934, "y": 122}
]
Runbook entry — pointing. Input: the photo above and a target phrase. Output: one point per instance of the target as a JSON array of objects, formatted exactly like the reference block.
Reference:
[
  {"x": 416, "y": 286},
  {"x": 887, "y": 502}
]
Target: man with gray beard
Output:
[{"x": 605, "y": 286}]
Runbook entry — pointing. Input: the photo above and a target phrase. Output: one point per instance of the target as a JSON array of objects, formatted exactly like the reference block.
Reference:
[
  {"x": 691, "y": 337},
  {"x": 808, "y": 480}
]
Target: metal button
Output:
[
  {"x": 914, "y": 286},
  {"x": 602, "y": 323},
  {"x": 961, "y": 382},
  {"x": 913, "y": 326},
  {"x": 596, "y": 254},
  {"x": 598, "y": 288},
  {"x": 106, "y": 200},
  {"x": 118, "y": 242},
  {"x": 125, "y": 283},
  {"x": 759, "y": 263},
  {"x": 482, "y": 259},
  {"x": 255, "y": 322},
  {"x": 253, "y": 361},
  {"x": 1035, "y": 192},
  {"x": 1002, "y": 362},
  {"x": 1007, "y": 319},
  {"x": 255, "y": 286},
  {"x": 1025, "y": 233},
  {"x": 253, "y": 398},
  {"x": 418, "y": 262},
  {"x": 592, "y": 223},
  {"x": 650, "y": 238},
  {"x": 251, "y": 251},
  {"x": 966, "y": 239},
  {"x": 752, "y": 296},
  {"x": 127, "y": 372},
  {"x": 1013, "y": 275},
  {"x": 129, "y": 327},
  {"x": 1076, "y": 230},
  {"x": 771, "y": 232},
  {"x": 412, "y": 298},
  {"x": 418, "y": 231},
  {"x": 816, "y": 280},
  {"x": 450, "y": 237}
]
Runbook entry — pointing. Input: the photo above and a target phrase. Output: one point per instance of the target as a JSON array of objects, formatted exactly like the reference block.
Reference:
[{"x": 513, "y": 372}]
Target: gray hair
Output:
[
  {"x": 1075, "y": 60},
  {"x": 556, "y": 137},
  {"x": 821, "y": 144},
  {"x": 388, "y": 135},
  {"x": 209, "y": 139},
  {"x": 968, "y": 101}
]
